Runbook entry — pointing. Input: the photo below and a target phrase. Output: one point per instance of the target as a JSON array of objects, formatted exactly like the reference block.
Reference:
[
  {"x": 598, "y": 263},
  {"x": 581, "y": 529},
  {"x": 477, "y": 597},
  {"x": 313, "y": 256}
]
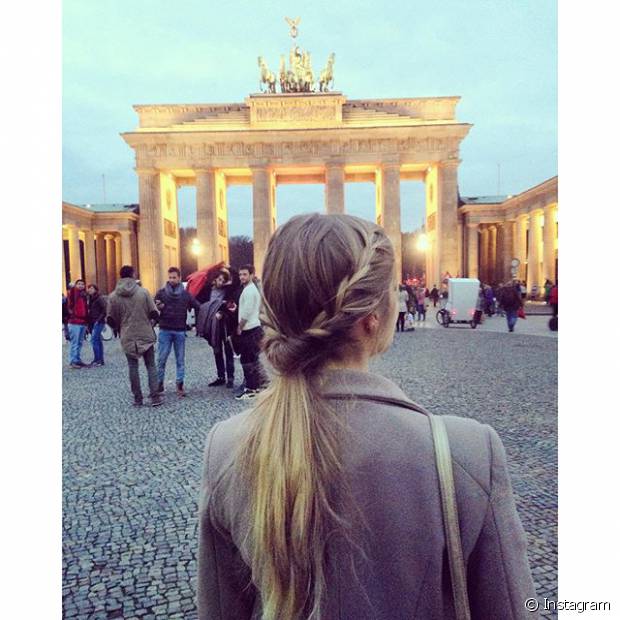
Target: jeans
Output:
[
  {"x": 250, "y": 350},
  {"x": 134, "y": 374},
  {"x": 76, "y": 334},
  {"x": 96, "y": 342},
  {"x": 421, "y": 312},
  {"x": 166, "y": 340},
  {"x": 229, "y": 368},
  {"x": 511, "y": 319},
  {"x": 400, "y": 322}
]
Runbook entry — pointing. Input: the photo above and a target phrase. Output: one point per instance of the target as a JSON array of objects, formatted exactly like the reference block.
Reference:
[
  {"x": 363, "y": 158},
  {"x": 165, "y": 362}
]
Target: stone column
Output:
[
  {"x": 64, "y": 269},
  {"x": 472, "y": 250},
  {"x": 125, "y": 248},
  {"x": 508, "y": 247},
  {"x": 334, "y": 188},
  {"x": 549, "y": 244},
  {"x": 75, "y": 266},
  {"x": 118, "y": 257},
  {"x": 263, "y": 206},
  {"x": 447, "y": 217},
  {"x": 390, "y": 206},
  {"x": 102, "y": 268},
  {"x": 533, "y": 255},
  {"x": 206, "y": 217},
  {"x": 90, "y": 265},
  {"x": 110, "y": 261},
  {"x": 150, "y": 230},
  {"x": 499, "y": 252},
  {"x": 484, "y": 254},
  {"x": 521, "y": 245},
  {"x": 491, "y": 257}
]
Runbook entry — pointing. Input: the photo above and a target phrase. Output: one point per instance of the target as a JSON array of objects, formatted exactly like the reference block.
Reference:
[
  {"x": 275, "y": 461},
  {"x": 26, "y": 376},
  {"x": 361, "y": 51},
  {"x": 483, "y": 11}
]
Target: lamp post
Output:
[{"x": 196, "y": 248}]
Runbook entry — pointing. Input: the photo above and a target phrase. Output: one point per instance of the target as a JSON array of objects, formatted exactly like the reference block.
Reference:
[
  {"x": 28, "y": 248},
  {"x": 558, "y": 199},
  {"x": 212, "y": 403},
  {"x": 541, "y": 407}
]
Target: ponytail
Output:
[{"x": 291, "y": 456}]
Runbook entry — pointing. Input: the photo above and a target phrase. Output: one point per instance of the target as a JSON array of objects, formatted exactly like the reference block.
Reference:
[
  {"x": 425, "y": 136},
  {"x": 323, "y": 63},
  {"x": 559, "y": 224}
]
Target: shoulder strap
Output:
[{"x": 443, "y": 461}]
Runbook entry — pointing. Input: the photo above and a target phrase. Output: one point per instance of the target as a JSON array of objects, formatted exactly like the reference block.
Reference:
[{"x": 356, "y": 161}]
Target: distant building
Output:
[{"x": 97, "y": 239}]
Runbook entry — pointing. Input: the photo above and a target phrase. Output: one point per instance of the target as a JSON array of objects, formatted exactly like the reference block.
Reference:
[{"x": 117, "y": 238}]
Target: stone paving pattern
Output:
[{"x": 131, "y": 476}]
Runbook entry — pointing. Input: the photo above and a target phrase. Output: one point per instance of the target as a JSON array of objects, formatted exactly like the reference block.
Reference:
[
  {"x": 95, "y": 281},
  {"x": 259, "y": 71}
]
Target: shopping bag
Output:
[
  {"x": 521, "y": 313},
  {"x": 409, "y": 322}
]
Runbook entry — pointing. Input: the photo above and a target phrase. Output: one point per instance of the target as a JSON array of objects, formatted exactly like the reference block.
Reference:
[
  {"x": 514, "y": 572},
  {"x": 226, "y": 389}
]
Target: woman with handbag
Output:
[{"x": 335, "y": 496}]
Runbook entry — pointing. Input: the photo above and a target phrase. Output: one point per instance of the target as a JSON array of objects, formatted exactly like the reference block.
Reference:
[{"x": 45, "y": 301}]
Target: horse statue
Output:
[
  {"x": 282, "y": 74},
  {"x": 308, "y": 75},
  {"x": 266, "y": 76},
  {"x": 327, "y": 75}
]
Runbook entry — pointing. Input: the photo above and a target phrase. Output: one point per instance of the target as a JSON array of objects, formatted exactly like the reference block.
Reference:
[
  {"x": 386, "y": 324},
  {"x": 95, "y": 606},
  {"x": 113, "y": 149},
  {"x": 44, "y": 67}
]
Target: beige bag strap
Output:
[{"x": 443, "y": 461}]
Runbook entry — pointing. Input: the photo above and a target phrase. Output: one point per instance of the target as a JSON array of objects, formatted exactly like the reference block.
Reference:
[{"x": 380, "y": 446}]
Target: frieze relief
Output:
[{"x": 314, "y": 148}]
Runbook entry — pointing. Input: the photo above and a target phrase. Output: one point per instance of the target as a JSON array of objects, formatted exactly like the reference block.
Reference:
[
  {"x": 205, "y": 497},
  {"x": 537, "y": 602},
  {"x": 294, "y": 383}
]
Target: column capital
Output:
[
  {"x": 204, "y": 170},
  {"x": 144, "y": 172},
  {"x": 108, "y": 236},
  {"x": 334, "y": 163},
  {"x": 390, "y": 164},
  {"x": 259, "y": 164},
  {"x": 449, "y": 163}
]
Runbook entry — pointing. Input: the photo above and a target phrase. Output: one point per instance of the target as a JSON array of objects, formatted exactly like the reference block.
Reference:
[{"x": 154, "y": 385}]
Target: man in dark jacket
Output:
[
  {"x": 131, "y": 308},
  {"x": 510, "y": 299},
  {"x": 173, "y": 303},
  {"x": 77, "y": 305},
  {"x": 214, "y": 324},
  {"x": 97, "y": 307}
]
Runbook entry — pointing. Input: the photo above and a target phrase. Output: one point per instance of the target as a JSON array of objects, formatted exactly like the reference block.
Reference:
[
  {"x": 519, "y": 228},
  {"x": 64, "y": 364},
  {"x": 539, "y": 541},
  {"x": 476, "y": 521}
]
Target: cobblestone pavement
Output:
[{"x": 130, "y": 476}]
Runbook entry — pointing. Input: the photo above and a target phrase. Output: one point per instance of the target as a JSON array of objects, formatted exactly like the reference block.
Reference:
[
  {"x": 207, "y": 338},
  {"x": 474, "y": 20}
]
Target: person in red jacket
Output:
[
  {"x": 553, "y": 299},
  {"x": 77, "y": 306}
]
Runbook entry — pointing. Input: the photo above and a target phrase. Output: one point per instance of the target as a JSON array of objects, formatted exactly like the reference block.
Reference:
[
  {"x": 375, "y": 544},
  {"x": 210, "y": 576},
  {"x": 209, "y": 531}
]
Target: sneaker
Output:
[
  {"x": 160, "y": 387},
  {"x": 81, "y": 364},
  {"x": 239, "y": 390},
  {"x": 218, "y": 381},
  {"x": 138, "y": 402},
  {"x": 96, "y": 363},
  {"x": 230, "y": 383},
  {"x": 157, "y": 400},
  {"x": 75, "y": 366},
  {"x": 247, "y": 394},
  {"x": 180, "y": 390}
]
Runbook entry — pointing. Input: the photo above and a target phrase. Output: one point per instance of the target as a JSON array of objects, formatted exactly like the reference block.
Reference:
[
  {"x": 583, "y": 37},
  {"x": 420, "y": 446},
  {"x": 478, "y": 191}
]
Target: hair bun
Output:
[{"x": 294, "y": 354}]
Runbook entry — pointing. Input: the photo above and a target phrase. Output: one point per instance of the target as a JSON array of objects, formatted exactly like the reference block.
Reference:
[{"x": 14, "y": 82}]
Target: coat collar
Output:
[{"x": 359, "y": 383}]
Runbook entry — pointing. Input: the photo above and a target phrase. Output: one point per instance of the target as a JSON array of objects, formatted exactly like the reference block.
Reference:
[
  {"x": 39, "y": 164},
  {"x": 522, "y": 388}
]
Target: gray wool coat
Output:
[{"x": 389, "y": 462}]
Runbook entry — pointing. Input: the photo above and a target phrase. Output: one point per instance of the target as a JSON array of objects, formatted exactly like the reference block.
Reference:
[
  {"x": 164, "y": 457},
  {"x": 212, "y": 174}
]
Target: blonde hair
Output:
[{"x": 322, "y": 273}]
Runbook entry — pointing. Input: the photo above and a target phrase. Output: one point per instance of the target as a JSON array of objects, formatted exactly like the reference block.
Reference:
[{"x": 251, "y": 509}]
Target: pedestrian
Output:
[
  {"x": 173, "y": 303},
  {"x": 511, "y": 302},
  {"x": 132, "y": 311},
  {"x": 480, "y": 303},
  {"x": 434, "y": 295},
  {"x": 489, "y": 299},
  {"x": 548, "y": 287},
  {"x": 77, "y": 307},
  {"x": 65, "y": 318},
  {"x": 421, "y": 303},
  {"x": 250, "y": 334},
  {"x": 97, "y": 309},
  {"x": 213, "y": 324},
  {"x": 322, "y": 499},
  {"x": 403, "y": 299}
]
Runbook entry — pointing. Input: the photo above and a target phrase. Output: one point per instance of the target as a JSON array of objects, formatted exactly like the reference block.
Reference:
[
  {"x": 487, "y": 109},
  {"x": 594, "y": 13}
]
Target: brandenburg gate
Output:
[{"x": 272, "y": 139}]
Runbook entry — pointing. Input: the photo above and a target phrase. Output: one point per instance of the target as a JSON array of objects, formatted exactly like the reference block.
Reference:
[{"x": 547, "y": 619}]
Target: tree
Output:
[{"x": 240, "y": 251}]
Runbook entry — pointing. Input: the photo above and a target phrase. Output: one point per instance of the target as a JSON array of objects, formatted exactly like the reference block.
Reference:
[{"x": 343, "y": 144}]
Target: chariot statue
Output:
[{"x": 299, "y": 77}]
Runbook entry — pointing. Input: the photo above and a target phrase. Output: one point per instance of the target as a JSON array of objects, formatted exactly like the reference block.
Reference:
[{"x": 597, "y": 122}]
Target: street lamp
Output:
[
  {"x": 422, "y": 244},
  {"x": 196, "y": 248}
]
